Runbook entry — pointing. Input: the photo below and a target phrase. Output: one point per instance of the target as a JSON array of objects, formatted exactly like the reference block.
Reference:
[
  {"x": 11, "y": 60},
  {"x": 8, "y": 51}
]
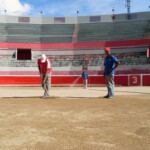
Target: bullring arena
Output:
[{"x": 73, "y": 118}]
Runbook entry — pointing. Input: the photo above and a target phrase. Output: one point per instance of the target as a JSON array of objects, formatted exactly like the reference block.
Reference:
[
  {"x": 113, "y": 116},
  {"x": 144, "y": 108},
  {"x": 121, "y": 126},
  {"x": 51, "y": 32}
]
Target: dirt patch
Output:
[{"x": 55, "y": 123}]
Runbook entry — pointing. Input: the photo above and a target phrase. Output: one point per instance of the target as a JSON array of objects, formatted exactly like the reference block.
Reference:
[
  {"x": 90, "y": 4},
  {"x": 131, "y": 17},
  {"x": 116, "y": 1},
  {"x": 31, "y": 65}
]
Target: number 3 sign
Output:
[{"x": 134, "y": 80}]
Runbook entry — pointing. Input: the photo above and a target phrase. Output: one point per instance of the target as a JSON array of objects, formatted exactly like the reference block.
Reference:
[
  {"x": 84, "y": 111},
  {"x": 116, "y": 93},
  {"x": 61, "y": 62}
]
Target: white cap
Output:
[{"x": 43, "y": 58}]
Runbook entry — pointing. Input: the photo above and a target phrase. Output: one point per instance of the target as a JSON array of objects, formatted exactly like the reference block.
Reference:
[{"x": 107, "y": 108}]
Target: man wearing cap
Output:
[
  {"x": 45, "y": 69},
  {"x": 110, "y": 64}
]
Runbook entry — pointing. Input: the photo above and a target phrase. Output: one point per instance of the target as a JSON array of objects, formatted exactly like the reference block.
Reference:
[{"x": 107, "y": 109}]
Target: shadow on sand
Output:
[{"x": 123, "y": 91}]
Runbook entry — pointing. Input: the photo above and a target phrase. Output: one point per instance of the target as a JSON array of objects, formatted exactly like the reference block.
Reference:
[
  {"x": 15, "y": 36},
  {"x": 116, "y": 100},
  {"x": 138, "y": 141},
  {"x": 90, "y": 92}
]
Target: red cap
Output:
[{"x": 107, "y": 49}]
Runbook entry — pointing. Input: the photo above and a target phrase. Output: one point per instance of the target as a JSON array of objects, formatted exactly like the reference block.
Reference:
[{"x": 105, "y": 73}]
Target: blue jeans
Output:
[{"x": 110, "y": 85}]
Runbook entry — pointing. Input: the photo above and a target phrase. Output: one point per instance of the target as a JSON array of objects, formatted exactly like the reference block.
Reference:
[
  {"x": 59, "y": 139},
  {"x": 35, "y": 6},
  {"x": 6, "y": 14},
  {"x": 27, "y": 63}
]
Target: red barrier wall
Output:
[
  {"x": 67, "y": 80},
  {"x": 96, "y": 80},
  {"x": 123, "y": 80},
  {"x": 20, "y": 80},
  {"x": 146, "y": 80}
]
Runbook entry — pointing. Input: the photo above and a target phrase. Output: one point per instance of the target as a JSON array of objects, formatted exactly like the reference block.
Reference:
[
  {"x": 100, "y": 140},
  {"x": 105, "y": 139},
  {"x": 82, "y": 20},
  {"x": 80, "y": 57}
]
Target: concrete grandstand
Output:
[{"x": 74, "y": 43}]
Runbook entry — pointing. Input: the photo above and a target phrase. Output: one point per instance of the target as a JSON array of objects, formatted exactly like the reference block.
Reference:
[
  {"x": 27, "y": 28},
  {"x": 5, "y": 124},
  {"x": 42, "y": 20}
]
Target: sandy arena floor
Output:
[{"x": 74, "y": 119}]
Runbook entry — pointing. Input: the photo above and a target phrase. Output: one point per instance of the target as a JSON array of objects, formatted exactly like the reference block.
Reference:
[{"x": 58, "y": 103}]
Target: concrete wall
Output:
[{"x": 69, "y": 20}]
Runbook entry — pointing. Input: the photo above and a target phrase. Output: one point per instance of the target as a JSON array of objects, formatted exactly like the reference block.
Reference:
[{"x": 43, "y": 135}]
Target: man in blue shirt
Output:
[
  {"x": 84, "y": 76},
  {"x": 110, "y": 63}
]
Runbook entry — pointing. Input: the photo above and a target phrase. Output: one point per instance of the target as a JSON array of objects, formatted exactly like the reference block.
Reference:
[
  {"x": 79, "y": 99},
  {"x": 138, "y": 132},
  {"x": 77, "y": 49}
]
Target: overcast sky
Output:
[{"x": 69, "y": 7}]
